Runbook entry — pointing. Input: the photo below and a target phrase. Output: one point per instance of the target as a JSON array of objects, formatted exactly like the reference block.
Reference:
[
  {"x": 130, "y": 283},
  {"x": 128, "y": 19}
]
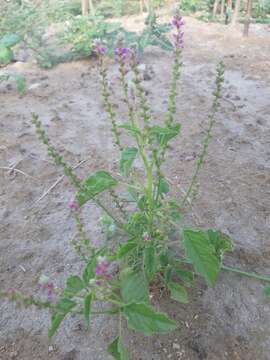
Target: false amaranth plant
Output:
[{"x": 121, "y": 273}]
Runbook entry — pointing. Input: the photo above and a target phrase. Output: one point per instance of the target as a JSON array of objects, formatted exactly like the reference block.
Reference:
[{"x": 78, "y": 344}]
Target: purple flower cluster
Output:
[
  {"x": 47, "y": 286},
  {"x": 99, "y": 47},
  {"x": 73, "y": 205},
  {"x": 146, "y": 237},
  {"x": 102, "y": 268},
  {"x": 123, "y": 54},
  {"x": 178, "y": 23}
]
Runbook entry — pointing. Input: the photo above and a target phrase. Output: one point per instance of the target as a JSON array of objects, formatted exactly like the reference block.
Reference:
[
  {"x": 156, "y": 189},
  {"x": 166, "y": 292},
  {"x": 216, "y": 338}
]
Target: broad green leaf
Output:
[
  {"x": 134, "y": 286},
  {"x": 162, "y": 42},
  {"x": 163, "y": 187},
  {"x": 63, "y": 307},
  {"x": 202, "y": 255},
  {"x": 94, "y": 185},
  {"x": 185, "y": 275},
  {"x": 126, "y": 248},
  {"x": 150, "y": 262},
  {"x": 117, "y": 350},
  {"x": 164, "y": 259},
  {"x": 6, "y": 55},
  {"x": 10, "y": 40},
  {"x": 87, "y": 308},
  {"x": 74, "y": 285},
  {"x": 127, "y": 158},
  {"x": 178, "y": 292},
  {"x": 132, "y": 129},
  {"x": 142, "y": 202},
  {"x": 165, "y": 134},
  {"x": 221, "y": 242},
  {"x": 55, "y": 323},
  {"x": 144, "y": 318},
  {"x": 267, "y": 290}
]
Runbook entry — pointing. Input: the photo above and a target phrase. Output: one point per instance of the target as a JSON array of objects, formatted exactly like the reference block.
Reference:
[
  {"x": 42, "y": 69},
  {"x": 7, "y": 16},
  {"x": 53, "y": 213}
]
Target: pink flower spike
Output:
[
  {"x": 99, "y": 48},
  {"x": 102, "y": 266},
  {"x": 73, "y": 205}
]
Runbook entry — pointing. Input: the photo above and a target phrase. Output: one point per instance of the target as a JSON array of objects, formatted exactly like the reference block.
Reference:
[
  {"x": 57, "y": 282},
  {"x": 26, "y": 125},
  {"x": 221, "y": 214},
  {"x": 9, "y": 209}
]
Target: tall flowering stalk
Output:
[
  {"x": 208, "y": 136},
  {"x": 68, "y": 170},
  {"x": 101, "y": 50},
  {"x": 178, "y": 24}
]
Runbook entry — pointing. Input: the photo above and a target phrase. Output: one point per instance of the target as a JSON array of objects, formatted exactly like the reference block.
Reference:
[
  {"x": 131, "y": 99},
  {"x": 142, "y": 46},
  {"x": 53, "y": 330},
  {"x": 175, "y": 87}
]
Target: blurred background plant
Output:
[{"x": 54, "y": 31}]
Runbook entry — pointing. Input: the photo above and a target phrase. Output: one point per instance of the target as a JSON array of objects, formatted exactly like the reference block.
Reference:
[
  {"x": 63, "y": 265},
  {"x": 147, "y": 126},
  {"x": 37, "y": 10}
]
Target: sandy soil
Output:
[{"x": 228, "y": 322}]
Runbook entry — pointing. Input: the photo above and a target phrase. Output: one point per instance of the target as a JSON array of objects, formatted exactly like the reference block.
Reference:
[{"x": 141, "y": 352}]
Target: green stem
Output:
[
  {"x": 120, "y": 325},
  {"x": 134, "y": 122},
  {"x": 245, "y": 273}
]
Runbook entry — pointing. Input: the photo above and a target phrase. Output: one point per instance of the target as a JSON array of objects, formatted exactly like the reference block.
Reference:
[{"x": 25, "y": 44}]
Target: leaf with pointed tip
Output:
[
  {"x": 144, "y": 318},
  {"x": 150, "y": 262},
  {"x": 133, "y": 286},
  {"x": 73, "y": 286},
  {"x": 94, "y": 185},
  {"x": 62, "y": 308},
  {"x": 127, "y": 158},
  {"x": 87, "y": 308},
  {"x": 89, "y": 271},
  {"x": 185, "y": 275},
  {"x": 202, "y": 254},
  {"x": 221, "y": 242},
  {"x": 126, "y": 248},
  {"x": 117, "y": 350},
  {"x": 165, "y": 134},
  {"x": 178, "y": 292},
  {"x": 163, "y": 187}
]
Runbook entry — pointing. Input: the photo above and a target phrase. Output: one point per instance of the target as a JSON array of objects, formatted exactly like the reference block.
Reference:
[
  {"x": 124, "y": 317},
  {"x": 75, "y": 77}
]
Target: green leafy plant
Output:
[
  {"x": 18, "y": 78},
  {"x": 155, "y": 247},
  {"x": 81, "y": 32},
  {"x": 24, "y": 24},
  {"x": 6, "y": 44}
]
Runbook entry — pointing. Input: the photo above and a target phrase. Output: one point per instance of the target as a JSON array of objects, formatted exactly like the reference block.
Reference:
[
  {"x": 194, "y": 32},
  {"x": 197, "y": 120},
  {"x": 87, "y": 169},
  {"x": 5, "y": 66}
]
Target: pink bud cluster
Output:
[
  {"x": 99, "y": 48},
  {"x": 103, "y": 269},
  {"x": 74, "y": 205},
  {"x": 47, "y": 286},
  {"x": 123, "y": 54},
  {"x": 178, "y": 23}
]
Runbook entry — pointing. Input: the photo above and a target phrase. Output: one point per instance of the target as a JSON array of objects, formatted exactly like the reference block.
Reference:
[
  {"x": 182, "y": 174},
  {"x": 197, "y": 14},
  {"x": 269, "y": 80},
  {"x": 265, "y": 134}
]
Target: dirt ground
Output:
[{"x": 229, "y": 322}]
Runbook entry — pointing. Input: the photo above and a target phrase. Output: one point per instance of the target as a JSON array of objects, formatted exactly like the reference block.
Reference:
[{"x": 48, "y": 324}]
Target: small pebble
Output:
[{"x": 176, "y": 346}]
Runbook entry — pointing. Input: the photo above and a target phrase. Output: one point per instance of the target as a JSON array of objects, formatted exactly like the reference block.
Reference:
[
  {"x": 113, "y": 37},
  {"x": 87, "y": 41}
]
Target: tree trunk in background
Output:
[
  {"x": 91, "y": 8},
  {"x": 236, "y": 12},
  {"x": 85, "y": 7},
  {"x": 247, "y": 18},
  {"x": 222, "y": 8},
  {"x": 141, "y": 6},
  {"x": 215, "y": 7},
  {"x": 149, "y": 6}
]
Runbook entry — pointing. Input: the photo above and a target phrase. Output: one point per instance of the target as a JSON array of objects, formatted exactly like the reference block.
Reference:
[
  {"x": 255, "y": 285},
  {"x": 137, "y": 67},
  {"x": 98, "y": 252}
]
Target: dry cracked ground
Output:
[{"x": 230, "y": 321}]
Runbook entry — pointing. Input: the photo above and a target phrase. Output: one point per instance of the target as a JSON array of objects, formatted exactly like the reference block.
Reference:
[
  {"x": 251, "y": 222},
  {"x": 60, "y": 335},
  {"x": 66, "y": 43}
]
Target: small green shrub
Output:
[
  {"x": 18, "y": 78},
  {"x": 82, "y": 32}
]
